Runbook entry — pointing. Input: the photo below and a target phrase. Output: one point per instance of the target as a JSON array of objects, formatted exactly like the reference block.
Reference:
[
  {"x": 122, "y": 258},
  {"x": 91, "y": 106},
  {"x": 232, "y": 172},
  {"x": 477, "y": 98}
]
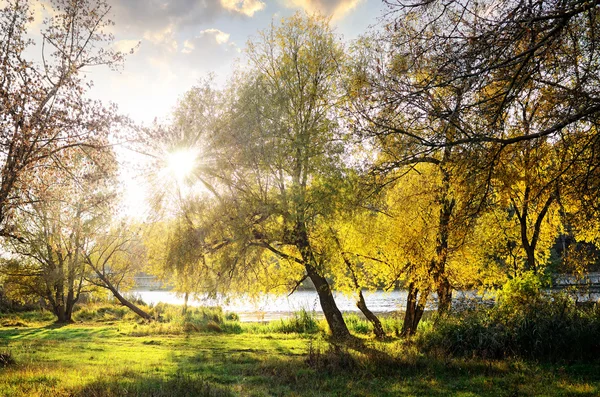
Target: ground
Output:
[{"x": 106, "y": 360}]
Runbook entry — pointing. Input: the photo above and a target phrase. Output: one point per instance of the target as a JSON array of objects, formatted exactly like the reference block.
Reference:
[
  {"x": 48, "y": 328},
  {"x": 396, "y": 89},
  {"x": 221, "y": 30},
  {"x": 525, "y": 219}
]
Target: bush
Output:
[
  {"x": 525, "y": 323},
  {"x": 232, "y": 317}
]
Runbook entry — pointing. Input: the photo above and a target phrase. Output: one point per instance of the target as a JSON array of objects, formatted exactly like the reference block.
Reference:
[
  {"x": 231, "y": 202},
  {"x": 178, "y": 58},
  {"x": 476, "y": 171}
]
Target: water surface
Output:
[{"x": 270, "y": 307}]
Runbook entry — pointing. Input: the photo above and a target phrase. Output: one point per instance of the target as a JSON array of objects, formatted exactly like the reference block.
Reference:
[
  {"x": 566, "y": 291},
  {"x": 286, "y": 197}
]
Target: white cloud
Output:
[
  {"x": 246, "y": 7},
  {"x": 188, "y": 47},
  {"x": 126, "y": 46},
  {"x": 219, "y": 36},
  {"x": 206, "y": 40},
  {"x": 336, "y": 8}
]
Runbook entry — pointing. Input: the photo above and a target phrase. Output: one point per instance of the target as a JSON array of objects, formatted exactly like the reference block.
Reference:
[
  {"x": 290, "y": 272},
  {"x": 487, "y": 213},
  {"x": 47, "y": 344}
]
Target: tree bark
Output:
[
  {"x": 444, "y": 291},
  {"x": 333, "y": 315},
  {"x": 377, "y": 327},
  {"x": 108, "y": 285},
  {"x": 415, "y": 307},
  {"x": 442, "y": 284},
  {"x": 130, "y": 305},
  {"x": 62, "y": 317}
]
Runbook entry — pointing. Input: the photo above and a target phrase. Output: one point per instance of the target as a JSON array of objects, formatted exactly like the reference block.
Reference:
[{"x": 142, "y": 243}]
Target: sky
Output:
[
  {"x": 181, "y": 41},
  {"x": 178, "y": 42}
]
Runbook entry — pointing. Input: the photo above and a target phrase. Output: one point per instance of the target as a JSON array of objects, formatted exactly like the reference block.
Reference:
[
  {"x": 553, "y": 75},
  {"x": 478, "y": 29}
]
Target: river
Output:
[{"x": 271, "y": 307}]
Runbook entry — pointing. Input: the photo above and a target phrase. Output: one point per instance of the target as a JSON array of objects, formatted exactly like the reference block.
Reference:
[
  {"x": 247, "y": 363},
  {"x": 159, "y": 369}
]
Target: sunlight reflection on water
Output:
[{"x": 269, "y": 307}]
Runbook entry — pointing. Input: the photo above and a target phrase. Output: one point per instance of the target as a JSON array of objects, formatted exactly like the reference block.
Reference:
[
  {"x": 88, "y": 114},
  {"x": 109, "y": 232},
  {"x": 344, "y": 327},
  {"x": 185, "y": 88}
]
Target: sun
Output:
[{"x": 181, "y": 164}]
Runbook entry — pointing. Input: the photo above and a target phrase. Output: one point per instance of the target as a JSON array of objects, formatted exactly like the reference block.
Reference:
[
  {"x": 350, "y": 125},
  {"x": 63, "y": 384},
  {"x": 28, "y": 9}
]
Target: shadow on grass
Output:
[
  {"x": 132, "y": 384},
  {"x": 359, "y": 370},
  {"x": 56, "y": 332}
]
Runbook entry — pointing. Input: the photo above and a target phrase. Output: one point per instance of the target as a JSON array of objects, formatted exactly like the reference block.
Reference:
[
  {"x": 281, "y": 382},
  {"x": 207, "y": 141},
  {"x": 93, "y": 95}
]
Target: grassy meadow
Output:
[{"x": 106, "y": 352}]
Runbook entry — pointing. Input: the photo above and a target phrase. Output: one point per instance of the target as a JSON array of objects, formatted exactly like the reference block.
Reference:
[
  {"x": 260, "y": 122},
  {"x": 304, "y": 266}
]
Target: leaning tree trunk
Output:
[
  {"x": 130, "y": 305},
  {"x": 377, "y": 327},
  {"x": 109, "y": 286},
  {"x": 333, "y": 315},
  {"x": 415, "y": 307},
  {"x": 360, "y": 303}
]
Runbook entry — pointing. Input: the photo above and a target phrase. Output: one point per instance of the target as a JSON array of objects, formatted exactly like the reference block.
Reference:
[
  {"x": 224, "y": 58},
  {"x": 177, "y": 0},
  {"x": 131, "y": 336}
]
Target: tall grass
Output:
[
  {"x": 526, "y": 324},
  {"x": 300, "y": 322}
]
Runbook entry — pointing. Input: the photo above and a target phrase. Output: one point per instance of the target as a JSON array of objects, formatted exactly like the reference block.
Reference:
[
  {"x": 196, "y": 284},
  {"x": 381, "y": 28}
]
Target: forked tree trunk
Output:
[
  {"x": 64, "y": 312},
  {"x": 62, "y": 306},
  {"x": 415, "y": 307}
]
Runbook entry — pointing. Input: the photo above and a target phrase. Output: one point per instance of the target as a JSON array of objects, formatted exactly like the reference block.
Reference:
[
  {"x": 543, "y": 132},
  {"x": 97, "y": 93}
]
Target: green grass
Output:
[{"x": 101, "y": 359}]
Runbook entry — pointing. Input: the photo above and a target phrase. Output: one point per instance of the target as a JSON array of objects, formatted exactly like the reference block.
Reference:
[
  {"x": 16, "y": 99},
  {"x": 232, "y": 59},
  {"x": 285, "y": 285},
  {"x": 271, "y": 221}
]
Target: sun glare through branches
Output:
[{"x": 181, "y": 163}]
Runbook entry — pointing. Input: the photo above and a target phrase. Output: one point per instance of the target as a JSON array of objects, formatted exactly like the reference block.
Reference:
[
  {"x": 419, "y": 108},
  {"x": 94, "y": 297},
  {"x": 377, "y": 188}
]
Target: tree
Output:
[
  {"x": 52, "y": 229},
  {"x": 179, "y": 251},
  {"x": 495, "y": 55},
  {"x": 446, "y": 83},
  {"x": 388, "y": 124},
  {"x": 44, "y": 110},
  {"x": 396, "y": 240},
  {"x": 114, "y": 257},
  {"x": 281, "y": 155}
]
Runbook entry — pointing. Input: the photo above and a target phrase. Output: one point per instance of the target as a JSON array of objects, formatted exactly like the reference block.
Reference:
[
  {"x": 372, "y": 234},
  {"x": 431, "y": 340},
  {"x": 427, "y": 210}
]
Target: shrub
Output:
[
  {"x": 230, "y": 316},
  {"x": 525, "y": 323}
]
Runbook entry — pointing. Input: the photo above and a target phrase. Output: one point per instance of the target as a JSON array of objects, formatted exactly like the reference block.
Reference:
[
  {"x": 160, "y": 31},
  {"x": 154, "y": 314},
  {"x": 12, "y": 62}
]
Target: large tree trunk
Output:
[
  {"x": 62, "y": 316},
  {"x": 415, "y": 307},
  {"x": 63, "y": 310},
  {"x": 444, "y": 292},
  {"x": 334, "y": 318},
  {"x": 62, "y": 306},
  {"x": 530, "y": 264},
  {"x": 377, "y": 327}
]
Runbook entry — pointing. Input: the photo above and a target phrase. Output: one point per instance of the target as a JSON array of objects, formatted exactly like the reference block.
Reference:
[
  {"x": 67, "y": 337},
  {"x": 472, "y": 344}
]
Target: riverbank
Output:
[
  {"x": 272, "y": 307},
  {"x": 105, "y": 360}
]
